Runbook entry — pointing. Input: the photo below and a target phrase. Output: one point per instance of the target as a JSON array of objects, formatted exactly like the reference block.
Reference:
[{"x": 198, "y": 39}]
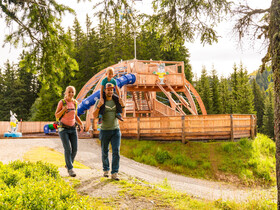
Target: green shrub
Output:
[
  {"x": 25, "y": 185},
  {"x": 206, "y": 165},
  {"x": 245, "y": 143},
  {"x": 178, "y": 160},
  {"x": 148, "y": 159},
  {"x": 190, "y": 163},
  {"x": 162, "y": 156},
  {"x": 228, "y": 147},
  {"x": 137, "y": 152}
]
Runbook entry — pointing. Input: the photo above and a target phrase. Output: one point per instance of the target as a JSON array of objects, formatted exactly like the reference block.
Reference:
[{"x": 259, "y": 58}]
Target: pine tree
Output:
[
  {"x": 1, "y": 94},
  {"x": 258, "y": 102},
  {"x": 19, "y": 90},
  {"x": 214, "y": 86},
  {"x": 268, "y": 118},
  {"x": 245, "y": 98},
  {"x": 9, "y": 85},
  {"x": 234, "y": 90},
  {"x": 225, "y": 96},
  {"x": 205, "y": 91}
]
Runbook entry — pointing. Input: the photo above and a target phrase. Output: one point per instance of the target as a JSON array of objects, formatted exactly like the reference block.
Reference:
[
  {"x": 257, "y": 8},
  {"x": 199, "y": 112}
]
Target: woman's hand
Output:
[
  {"x": 82, "y": 128},
  {"x": 64, "y": 108}
]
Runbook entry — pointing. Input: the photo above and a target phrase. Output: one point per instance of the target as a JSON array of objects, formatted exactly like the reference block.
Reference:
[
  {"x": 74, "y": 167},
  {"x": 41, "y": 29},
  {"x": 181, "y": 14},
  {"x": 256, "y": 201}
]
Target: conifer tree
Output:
[
  {"x": 234, "y": 90},
  {"x": 259, "y": 96},
  {"x": 214, "y": 86},
  {"x": 268, "y": 118},
  {"x": 9, "y": 85},
  {"x": 225, "y": 96},
  {"x": 26, "y": 93},
  {"x": 245, "y": 98},
  {"x": 1, "y": 94},
  {"x": 205, "y": 91}
]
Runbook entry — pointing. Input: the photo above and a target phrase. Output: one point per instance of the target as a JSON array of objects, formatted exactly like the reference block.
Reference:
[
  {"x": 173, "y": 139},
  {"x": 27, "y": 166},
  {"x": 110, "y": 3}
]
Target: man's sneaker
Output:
[
  {"x": 119, "y": 117},
  {"x": 115, "y": 176},
  {"x": 106, "y": 174},
  {"x": 71, "y": 172}
]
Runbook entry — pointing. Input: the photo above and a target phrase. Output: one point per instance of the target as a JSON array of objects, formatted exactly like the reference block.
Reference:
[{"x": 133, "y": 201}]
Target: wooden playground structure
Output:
[{"x": 148, "y": 115}]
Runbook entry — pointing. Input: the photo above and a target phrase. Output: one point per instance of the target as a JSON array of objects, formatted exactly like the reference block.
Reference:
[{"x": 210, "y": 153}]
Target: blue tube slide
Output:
[{"x": 90, "y": 101}]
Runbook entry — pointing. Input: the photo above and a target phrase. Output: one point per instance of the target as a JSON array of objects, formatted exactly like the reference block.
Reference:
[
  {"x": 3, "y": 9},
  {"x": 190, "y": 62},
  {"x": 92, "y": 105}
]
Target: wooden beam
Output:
[
  {"x": 170, "y": 98},
  {"x": 252, "y": 127},
  {"x": 183, "y": 101},
  {"x": 148, "y": 100},
  {"x": 200, "y": 102},
  {"x": 138, "y": 128},
  {"x": 183, "y": 130},
  {"x": 231, "y": 129},
  {"x": 190, "y": 98},
  {"x": 135, "y": 98}
]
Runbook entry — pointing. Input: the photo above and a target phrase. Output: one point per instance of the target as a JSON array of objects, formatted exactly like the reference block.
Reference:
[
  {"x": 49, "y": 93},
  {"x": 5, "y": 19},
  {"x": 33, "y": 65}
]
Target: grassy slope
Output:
[
  {"x": 245, "y": 162},
  {"x": 201, "y": 161},
  {"x": 26, "y": 185}
]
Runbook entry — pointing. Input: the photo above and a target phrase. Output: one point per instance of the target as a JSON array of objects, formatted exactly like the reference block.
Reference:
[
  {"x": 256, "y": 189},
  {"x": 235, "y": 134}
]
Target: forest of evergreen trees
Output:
[{"x": 99, "y": 47}]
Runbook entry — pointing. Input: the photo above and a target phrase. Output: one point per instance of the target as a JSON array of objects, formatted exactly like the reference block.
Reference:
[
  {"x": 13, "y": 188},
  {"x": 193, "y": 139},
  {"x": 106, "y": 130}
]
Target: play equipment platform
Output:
[{"x": 147, "y": 79}]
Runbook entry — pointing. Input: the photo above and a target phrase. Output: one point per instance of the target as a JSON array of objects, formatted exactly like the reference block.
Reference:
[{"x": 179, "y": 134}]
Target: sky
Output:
[{"x": 221, "y": 56}]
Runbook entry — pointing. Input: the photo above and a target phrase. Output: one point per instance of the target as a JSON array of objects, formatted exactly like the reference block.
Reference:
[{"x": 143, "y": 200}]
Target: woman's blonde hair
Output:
[
  {"x": 68, "y": 87},
  {"x": 110, "y": 69}
]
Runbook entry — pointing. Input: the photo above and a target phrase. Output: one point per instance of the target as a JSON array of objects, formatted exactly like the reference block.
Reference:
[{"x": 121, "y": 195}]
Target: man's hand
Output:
[
  {"x": 121, "y": 102},
  {"x": 100, "y": 103}
]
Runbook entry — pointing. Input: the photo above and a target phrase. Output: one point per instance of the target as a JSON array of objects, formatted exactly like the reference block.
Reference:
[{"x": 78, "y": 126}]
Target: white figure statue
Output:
[
  {"x": 13, "y": 122},
  {"x": 161, "y": 72}
]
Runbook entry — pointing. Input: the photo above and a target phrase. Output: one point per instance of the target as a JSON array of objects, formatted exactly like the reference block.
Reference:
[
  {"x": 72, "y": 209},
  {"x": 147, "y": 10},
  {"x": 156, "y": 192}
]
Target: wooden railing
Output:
[
  {"x": 188, "y": 128},
  {"x": 183, "y": 128},
  {"x": 164, "y": 109}
]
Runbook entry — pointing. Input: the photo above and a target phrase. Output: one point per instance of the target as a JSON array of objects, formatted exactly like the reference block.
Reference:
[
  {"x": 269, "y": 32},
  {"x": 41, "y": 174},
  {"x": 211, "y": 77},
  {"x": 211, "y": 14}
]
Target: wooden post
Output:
[
  {"x": 138, "y": 128},
  {"x": 94, "y": 127},
  {"x": 231, "y": 128},
  {"x": 183, "y": 129},
  {"x": 20, "y": 130},
  {"x": 252, "y": 127}
]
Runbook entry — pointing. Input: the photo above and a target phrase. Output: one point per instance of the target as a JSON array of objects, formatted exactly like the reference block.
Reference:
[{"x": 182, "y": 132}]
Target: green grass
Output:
[
  {"x": 162, "y": 196},
  {"x": 246, "y": 162},
  {"x": 46, "y": 154},
  {"x": 26, "y": 185}
]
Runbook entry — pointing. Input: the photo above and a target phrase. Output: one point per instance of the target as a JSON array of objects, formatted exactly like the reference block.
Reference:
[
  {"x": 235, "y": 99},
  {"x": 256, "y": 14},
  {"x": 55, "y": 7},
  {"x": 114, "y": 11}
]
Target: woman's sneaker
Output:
[
  {"x": 115, "y": 176},
  {"x": 71, "y": 172},
  {"x": 106, "y": 174}
]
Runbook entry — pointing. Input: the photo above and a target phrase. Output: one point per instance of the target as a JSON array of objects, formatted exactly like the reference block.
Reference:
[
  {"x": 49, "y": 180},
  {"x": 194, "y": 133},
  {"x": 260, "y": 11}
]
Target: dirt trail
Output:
[{"x": 89, "y": 153}]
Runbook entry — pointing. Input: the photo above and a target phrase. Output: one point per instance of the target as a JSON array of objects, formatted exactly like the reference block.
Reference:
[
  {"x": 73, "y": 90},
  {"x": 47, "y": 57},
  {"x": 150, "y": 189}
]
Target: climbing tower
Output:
[{"x": 142, "y": 98}]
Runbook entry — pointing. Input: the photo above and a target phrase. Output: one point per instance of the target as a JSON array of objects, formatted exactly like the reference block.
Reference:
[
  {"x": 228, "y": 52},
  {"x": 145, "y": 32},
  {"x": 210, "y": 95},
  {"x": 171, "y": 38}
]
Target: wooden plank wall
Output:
[
  {"x": 24, "y": 127},
  {"x": 182, "y": 128},
  {"x": 188, "y": 128}
]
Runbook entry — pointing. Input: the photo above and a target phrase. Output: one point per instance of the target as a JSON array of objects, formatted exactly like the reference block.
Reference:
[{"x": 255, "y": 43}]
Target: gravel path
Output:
[{"x": 89, "y": 153}]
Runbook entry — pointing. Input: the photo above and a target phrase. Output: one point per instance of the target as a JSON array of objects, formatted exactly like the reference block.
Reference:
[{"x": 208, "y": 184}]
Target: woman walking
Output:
[{"x": 66, "y": 114}]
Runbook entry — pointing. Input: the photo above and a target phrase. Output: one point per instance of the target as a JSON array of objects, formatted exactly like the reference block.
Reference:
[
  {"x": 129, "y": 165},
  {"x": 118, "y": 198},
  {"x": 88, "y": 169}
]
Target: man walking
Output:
[{"x": 110, "y": 132}]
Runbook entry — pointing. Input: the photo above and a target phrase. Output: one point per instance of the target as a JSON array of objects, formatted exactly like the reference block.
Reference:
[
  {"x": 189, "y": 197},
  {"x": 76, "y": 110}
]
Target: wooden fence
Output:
[
  {"x": 183, "y": 128},
  {"x": 187, "y": 128},
  {"x": 24, "y": 127}
]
